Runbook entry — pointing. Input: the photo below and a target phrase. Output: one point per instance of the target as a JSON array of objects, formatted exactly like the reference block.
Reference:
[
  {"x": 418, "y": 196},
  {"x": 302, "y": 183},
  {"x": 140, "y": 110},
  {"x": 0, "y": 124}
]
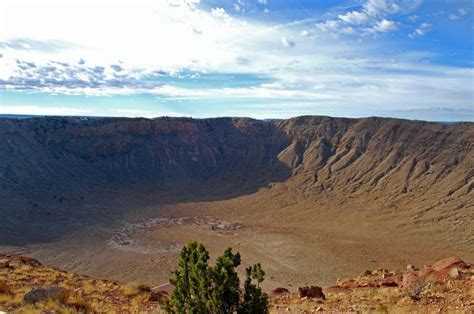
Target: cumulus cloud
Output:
[
  {"x": 220, "y": 13},
  {"x": 421, "y": 30},
  {"x": 371, "y": 19},
  {"x": 36, "y": 45},
  {"x": 187, "y": 43},
  {"x": 354, "y": 17},
  {"x": 381, "y": 7},
  {"x": 287, "y": 43},
  {"x": 78, "y": 78},
  {"x": 385, "y": 26},
  {"x": 459, "y": 15}
]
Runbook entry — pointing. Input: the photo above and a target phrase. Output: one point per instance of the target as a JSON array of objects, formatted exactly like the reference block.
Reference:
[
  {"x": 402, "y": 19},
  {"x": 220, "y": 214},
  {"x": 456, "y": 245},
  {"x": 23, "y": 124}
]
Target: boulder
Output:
[
  {"x": 311, "y": 292},
  {"x": 27, "y": 260},
  {"x": 39, "y": 294},
  {"x": 439, "y": 276},
  {"x": 336, "y": 290},
  {"x": 391, "y": 281},
  {"x": 449, "y": 262},
  {"x": 280, "y": 290},
  {"x": 165, "y": 289},
  {"x": 157, "y": 296},
  {"x": 411, "y": 281}
]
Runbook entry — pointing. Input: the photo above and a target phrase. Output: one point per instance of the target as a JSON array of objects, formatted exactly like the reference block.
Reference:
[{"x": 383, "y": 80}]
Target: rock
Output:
[
  {"x": 5, "y": 287},
  {"x": 157, "y": 296},
  {"x": 44, "y": 293},
  {"x": 350, "y": 283},
  {"x": 391, "y": 281},
  {"x": 280, "y": 290},
  {"x": 453, "y": 273},
  {"x": 411, "y": 267},
  {"x": 411, "y": 282},
  {"x": 449, "y": 262},
  {"x": 336, "y": 290},
  {"x": 27, "y": 260},
  {"x": 311, "y": 292},
  {"x": 439, "y": 276},
  {"x": 165, "y": 289}
]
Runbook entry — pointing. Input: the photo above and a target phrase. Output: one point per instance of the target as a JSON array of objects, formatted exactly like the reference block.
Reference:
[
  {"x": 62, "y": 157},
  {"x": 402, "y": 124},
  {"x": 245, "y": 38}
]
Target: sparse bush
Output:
[
  {"x": 5, "y": 288},
  {"x": 200, "y": 288},
  {"x": 143, "y": 288}
]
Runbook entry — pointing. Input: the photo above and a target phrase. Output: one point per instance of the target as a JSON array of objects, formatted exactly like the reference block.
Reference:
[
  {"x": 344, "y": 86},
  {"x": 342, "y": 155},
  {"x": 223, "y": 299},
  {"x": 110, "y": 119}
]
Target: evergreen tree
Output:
[
  {"x": 200, "y": 288},
  {"x": 225, "y": 294},
  {"x": 192, "y": 282},
  {"x": 254, "y": 300}
]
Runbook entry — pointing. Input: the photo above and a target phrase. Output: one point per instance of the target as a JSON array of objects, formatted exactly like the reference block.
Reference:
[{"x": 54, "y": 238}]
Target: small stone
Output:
[
  {"x": 44, "y": 293},
  {"x": 411, "y": 267},
  {"x": 453, "y": 273}
]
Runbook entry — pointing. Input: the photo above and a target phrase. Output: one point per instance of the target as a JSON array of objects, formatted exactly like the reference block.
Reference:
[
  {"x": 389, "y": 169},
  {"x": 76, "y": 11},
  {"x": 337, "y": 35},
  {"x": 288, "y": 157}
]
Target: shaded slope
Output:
[{"x": 424, "y": 169}]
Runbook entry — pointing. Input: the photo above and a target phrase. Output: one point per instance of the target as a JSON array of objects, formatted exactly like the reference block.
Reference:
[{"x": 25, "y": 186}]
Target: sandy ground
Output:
[{"x": 298, "y": 241}]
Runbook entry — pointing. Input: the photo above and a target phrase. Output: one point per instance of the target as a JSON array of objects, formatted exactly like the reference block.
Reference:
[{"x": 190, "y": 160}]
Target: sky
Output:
[{"x": 263, "y": 59}]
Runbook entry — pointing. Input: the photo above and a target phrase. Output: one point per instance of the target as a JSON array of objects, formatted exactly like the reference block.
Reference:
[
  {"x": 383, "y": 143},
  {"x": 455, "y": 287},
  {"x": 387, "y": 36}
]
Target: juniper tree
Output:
[
  {"x": 254, "y": 300},
  {"x": 200, "y": 288},
  {"x": 192, "y": 282}
]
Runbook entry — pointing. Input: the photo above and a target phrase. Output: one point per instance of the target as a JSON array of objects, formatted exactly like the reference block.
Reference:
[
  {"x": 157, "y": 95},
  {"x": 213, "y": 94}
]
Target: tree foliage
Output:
[{"x": 200, "y": 288}]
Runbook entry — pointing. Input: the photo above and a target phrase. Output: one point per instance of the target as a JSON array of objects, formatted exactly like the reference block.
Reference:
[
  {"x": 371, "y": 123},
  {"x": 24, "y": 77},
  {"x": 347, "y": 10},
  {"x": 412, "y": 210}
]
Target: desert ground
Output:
[{"x": 302, "y": 242}]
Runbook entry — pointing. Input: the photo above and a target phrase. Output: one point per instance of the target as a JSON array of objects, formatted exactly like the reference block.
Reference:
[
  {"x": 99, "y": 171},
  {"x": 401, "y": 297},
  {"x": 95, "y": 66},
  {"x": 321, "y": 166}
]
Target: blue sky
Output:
[{"x": 261, "y": 58}]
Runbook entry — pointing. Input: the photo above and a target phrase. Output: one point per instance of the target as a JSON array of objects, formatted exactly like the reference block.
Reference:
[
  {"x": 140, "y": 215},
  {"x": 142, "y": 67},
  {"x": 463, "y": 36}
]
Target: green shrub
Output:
[{"x": 200, "y": 288}]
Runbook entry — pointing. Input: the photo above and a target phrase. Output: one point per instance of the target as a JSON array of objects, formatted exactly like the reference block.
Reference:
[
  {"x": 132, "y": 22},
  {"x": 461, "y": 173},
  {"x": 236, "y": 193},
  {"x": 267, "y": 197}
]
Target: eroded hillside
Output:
[{"x": 303, "y": 189}]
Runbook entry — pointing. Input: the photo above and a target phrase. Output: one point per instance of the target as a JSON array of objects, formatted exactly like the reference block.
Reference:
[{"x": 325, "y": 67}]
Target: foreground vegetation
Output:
[
  {"x": 200, "y": 288},
  {"x": 27, "y": 286}
]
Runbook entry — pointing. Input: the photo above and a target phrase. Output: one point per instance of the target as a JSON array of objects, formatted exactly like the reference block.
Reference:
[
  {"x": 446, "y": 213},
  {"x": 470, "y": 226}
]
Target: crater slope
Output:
[{"x": 314, "y": 197}]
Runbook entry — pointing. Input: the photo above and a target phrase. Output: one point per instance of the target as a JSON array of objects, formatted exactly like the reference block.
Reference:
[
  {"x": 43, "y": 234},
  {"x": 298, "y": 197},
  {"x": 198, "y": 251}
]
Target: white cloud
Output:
[
  {"x": 287, "y": 43},
  {"x": 182, "y": 39},
  {"x": 385, "y": 26},
  {"x": 264, "y": 2},
  {"x": 371, "y": 19},
  {"x": 220, "y": 13},
  {"x": 460, "y": 14},
  {"x": 421, "y": 30},
  {"x": 354, "y": 17},
  {"x": 381, "y": 7},
  {"x": 463, "y": 11},
  {"x": 454, "y": 17},
  {"x": 329, "y": 26}
]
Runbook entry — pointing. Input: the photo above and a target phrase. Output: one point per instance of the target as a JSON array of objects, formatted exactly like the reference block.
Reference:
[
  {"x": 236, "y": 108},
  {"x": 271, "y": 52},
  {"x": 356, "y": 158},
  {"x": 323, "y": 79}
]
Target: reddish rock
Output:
[
  {"x": 311, "y": 292},
  {"x": 411, "y": 281},
  {"x": 27, "y": 260},
  {"x": 351, "y": 283},
  {"x": 449, "y": 262},
  {"x": 157, "y": 296},
  {"x": 438, "y": 276},
  {"x": 165, "y": 289},
  {"x": 336, "y": 290},
  {"x": 280, "y": 290},
  {"x": 392, "y": 281}
]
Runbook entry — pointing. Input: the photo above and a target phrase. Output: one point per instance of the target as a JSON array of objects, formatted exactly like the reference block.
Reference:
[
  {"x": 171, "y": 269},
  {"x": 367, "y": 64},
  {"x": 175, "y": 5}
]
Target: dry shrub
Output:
[
  {"x": 80, "y": 304},
  {"x": 5, "y": 288},
  {"x": 144, "y": 288}
]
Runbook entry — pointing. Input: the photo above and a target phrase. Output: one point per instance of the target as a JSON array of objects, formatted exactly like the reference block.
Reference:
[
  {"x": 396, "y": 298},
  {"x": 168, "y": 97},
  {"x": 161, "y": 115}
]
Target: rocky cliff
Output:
[{"x": 380, "y": 158}]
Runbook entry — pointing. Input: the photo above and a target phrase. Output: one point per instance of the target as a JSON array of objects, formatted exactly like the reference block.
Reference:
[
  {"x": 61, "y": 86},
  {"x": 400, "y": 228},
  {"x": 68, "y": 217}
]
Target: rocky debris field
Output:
[
  {"x": 126, "y": 238},
  {"x": 447, "y": 286}
]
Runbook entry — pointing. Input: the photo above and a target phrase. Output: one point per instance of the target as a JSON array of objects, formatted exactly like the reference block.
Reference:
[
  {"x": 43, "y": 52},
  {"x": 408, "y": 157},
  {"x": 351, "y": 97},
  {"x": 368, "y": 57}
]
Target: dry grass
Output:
[{"x": 81, "y": 295}]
